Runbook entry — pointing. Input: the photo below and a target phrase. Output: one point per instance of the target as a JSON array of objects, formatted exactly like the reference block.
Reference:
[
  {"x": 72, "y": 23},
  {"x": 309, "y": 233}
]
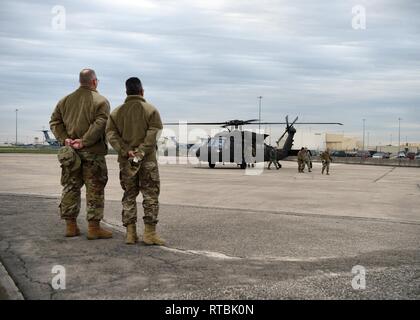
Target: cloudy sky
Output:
[{"x": 208, "y": 60}]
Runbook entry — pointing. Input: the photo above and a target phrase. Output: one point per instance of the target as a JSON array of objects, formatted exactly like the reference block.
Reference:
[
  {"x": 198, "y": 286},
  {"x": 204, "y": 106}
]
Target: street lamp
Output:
[
  {"x": 364, "y": 127},
  {"x": 259, "y": 113},
  {"x": 399, "y": 135},
  {"x": 16, "y": 140}
]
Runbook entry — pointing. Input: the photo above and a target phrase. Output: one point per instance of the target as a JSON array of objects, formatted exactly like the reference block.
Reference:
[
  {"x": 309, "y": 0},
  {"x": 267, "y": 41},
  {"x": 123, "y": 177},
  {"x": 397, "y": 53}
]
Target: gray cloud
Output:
[{"x": 209, "y": 60}]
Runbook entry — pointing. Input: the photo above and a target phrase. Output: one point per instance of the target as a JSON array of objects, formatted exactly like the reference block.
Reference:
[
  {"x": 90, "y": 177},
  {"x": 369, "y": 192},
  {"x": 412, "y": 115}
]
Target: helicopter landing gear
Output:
[{"x": 212, "y": 165}]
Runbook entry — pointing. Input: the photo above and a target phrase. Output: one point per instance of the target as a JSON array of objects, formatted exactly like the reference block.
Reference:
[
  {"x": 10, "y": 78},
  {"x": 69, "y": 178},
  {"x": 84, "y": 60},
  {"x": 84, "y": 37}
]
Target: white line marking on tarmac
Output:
[
  {"x": 209, "y": 254},
  {"x": 222, "y": 256}
]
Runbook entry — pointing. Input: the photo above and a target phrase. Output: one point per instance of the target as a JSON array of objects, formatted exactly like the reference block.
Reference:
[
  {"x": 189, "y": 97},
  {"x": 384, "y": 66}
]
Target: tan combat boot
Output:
[
  {"x": 96, "y": 232},
  {"x": 150, "y": 237},
  {"x": 131, "y": 237},
  {"x": 72, "y": 230}
]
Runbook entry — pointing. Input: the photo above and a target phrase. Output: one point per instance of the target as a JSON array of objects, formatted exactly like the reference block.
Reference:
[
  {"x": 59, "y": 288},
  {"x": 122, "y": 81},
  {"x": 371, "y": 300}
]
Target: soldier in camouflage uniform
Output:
[
  {"x": 301, "y": 160},
  {"x": 326, "y": 160},
  {"x": 78, "y": 122},
  {"x": 273, "y": 158},
  {"x": 133, "y": 130},
  {"x": 307, "y": 160}
]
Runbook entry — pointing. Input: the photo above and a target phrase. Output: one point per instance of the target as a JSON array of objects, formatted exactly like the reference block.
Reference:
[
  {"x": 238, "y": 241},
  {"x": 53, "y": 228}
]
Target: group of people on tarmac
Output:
[{"x": 304, "y": 157}]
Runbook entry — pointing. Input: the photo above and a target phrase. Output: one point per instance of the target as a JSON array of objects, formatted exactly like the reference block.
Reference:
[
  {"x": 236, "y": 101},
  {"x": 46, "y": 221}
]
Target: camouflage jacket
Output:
[
  {"x": 82, "y": 115},
  {"x": 135, "y": 124},
  {"x": 325, "y": 156},
  {"x": 301, "y": 155},
  {"x": 273, "y": 154}
]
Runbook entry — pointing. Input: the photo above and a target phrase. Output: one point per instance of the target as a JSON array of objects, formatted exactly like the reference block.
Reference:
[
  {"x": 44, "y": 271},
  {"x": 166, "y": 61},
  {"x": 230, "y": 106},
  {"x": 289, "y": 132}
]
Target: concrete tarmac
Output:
[{"x": 278, "y": 235}]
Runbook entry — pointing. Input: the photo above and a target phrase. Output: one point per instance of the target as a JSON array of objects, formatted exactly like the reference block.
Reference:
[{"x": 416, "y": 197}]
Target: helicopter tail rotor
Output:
[{"x": 289, "y": 128}]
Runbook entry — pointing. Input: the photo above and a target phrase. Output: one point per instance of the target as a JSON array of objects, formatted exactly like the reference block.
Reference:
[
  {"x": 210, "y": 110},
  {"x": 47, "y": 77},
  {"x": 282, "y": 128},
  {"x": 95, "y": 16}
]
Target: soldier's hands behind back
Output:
[{"x": 77, "y": 144}]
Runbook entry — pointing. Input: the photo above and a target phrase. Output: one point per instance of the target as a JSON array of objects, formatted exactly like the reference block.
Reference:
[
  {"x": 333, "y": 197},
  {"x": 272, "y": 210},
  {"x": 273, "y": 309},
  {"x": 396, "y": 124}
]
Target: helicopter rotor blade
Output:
[
  {"x": 303, "y": 123},
  {"x": 285, "y": 131},
  {"x": 195, "y": 123},
  {"x": 252, "y": 120},
  {"x": 279, "y": 139},
  {"x": 248, "y": 122},
  {"x": 291, "y": 125}
]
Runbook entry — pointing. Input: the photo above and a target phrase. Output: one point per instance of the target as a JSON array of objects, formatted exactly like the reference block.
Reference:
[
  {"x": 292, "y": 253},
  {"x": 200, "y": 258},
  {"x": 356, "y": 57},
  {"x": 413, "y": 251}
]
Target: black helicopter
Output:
[{"x": 243, "y": 146}]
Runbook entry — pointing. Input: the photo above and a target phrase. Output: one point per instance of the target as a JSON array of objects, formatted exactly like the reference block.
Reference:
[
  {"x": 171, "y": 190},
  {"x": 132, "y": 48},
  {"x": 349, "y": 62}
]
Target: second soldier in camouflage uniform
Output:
[
  {"x": 78, "y": 122},
  {"x": 133, "y": 130},
  {"x": 301, "y": 160},
  {"x": 307, "y": 160},
  {"x": 273, "y": 158},
  {"x": 326, "y": 160}
]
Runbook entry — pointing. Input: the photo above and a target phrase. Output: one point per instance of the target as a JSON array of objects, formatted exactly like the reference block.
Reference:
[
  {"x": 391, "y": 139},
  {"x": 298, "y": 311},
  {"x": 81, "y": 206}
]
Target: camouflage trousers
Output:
[
  {"x": 308, "y": 163},
  {"x": 145, "y": 180},
  {"x": 92, "y": 173},
  {"x": 301, "y": 165},
  {"x": 325, "y": 165}
]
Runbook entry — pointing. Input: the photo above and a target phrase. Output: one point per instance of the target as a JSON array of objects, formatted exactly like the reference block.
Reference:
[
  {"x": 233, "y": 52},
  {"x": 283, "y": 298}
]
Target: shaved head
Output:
[{"x": 86, "y": 76}]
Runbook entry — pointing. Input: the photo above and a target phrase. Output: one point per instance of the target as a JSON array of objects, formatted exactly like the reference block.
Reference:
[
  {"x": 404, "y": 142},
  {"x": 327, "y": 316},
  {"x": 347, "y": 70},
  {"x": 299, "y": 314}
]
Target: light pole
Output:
[
  {"x": 364, "y": 127},
  {"x": 259, "y": 113},
  {"x": 399, "y": 135},
  {"x": 16, "y": 140}
]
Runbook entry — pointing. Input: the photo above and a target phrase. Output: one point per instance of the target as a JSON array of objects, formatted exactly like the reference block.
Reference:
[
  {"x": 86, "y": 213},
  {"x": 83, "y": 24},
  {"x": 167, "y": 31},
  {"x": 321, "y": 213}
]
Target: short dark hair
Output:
[{"x": 133, "y": 86}]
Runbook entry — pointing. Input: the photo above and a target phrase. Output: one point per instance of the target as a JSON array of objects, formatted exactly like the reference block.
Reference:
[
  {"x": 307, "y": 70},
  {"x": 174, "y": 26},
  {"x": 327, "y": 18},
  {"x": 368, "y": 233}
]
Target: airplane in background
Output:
[{"x": 49, "y": 140}]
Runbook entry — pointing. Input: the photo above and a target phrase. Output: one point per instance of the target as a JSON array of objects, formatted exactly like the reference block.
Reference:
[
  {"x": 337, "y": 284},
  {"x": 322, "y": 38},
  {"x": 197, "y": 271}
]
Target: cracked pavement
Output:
[
  {"x": 32, "y": 242},
  {"x": 278, "y": 235}
]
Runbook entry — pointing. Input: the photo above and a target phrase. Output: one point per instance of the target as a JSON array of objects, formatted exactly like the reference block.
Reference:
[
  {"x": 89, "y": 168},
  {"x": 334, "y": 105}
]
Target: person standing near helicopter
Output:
[
  {"x": 307, "y": 160},
  {"x": 326, "y": 160},
  {"x": 301, "y": 160},
  {"x": 273, "y": 158}
]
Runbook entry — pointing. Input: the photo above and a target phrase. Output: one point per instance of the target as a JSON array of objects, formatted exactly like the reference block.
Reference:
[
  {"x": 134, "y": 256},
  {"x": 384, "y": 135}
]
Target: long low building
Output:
[
  {"x": 321, "y": 141},
  {"x": 340, "y": 141}
]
